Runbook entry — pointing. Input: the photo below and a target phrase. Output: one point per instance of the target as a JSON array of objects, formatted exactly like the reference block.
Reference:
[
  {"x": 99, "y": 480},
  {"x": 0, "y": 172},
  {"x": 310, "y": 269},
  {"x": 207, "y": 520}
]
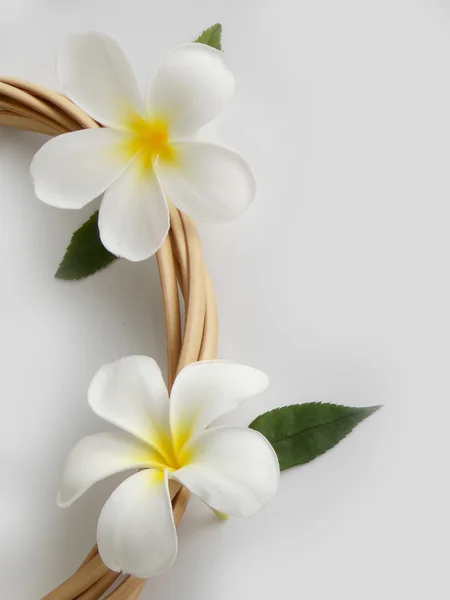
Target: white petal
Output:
[
  {"x": 233, "y": 470},
  {"x": 131, "y": 394},
  {"x": 134, "y": 218},
  {"x": 208, "y": 182},
  {"x": 136, "y": 532},
  {"x": 96, "y": 75},
  {"x": 72, "y": 169},
  {"x": 205, "y": 390},
  {"x": 98, "y": 456},
  {"x": 191, "y": 87}
]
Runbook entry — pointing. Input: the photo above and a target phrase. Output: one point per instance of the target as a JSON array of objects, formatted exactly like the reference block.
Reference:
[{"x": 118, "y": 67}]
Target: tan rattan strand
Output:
[{"x": 28, "y": 106}]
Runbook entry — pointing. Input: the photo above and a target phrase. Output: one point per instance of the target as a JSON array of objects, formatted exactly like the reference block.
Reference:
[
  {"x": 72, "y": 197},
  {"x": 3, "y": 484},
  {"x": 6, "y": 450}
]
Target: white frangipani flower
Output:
[
  {"x": 233, "y": 470},
  {"x": 142, "y": 155}
]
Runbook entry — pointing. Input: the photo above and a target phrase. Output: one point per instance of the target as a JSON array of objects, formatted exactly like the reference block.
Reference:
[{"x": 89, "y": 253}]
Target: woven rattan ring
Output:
[{"x": 34, "y": 108}]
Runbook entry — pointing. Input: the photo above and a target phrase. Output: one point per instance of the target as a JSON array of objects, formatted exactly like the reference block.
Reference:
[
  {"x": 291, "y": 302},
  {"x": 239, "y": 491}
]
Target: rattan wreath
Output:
[{"x": 31, "y": 107}]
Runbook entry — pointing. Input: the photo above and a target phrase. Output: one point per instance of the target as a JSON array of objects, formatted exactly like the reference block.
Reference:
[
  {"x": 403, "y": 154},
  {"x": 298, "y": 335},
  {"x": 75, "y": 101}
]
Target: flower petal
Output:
[
  {"x": 98, "y": 456},
  {"x": 191, "y": 87},
  {"x": 96, "y": 75},
  {"x": 72, "y": 169},
  {"x": 136, "y": 531},
  {"x": 205, "y": 390},
  {"x": 233, "y": 470},
  {"x": 131, "y": 394},
  {"x": 134, "y": 218},
  {"x": 208, "y": 182}
]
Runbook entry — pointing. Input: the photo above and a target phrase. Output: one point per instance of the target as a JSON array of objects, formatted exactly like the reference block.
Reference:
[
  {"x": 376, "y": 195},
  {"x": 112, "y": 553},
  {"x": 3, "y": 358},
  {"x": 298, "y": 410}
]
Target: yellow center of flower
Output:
[
  {"x": 169, "y": 457},
  {"x": 148, "y": 139}
]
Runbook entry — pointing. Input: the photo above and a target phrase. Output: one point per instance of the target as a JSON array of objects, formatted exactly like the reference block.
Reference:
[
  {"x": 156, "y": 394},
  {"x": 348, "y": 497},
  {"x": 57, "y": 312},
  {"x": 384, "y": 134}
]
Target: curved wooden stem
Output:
[
  {"x": 31, "y": 107},
  {"x": 169, "y": 288}
]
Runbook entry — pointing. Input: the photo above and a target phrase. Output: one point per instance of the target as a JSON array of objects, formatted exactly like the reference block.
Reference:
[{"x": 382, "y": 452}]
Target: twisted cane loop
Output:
[{"x": 31, "y": 107}]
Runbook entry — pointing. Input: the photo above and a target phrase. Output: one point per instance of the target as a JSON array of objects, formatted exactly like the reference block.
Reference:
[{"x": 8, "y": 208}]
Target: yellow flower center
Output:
[
  {"x": 170, "y": 458},
  {"x": 148, "y": 139}
]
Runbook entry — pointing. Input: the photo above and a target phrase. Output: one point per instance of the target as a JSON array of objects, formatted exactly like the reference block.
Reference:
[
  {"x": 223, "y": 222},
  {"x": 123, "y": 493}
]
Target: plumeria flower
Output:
[
  {"x": 233, "y": 470},
  {"x": 144, "y": 154}
]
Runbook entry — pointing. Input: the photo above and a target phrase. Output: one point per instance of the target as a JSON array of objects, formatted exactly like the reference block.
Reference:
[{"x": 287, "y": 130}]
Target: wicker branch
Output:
[{"x": 30, "y": 107}]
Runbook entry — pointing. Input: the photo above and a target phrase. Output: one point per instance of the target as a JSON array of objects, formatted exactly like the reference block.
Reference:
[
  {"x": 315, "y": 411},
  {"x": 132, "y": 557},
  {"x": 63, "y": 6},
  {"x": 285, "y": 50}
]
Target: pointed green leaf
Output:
[
  {"x": 211, "y": 37},
  {"x": 301, "y": 432},
  {"x": 85, "y": 254}
]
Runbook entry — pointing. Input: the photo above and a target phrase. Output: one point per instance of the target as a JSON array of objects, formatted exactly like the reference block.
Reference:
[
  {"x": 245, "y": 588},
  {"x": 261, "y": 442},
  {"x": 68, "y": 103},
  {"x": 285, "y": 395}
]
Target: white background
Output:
[{"x": 335, "y": 282}]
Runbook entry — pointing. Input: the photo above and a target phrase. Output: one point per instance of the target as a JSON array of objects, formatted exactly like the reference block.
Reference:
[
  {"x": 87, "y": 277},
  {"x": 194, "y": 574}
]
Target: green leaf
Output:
[
  {"x": 211, "y": 37},
  {"x": 301, "y": 432},
  {"x": 85, "y": 254}
]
